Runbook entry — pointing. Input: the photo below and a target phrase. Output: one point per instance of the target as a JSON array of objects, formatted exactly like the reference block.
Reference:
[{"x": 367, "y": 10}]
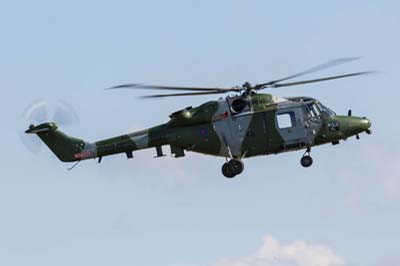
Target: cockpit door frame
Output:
[
  {"x": 294, "y": 136},
  {"x": 312, "y": 123}
]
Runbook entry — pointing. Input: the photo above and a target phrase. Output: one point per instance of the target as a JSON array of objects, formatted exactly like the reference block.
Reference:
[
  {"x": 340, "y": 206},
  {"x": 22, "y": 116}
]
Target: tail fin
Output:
[{"x": 66, "y": 148}]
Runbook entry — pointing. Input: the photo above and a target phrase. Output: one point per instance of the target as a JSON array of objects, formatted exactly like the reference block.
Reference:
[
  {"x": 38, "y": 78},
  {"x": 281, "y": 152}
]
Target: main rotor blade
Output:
[
  {"x": 183, "y": 94},
  {"x": 161, "y": 87},
  {"x": 326, "y": 65},
  {"x": 320, "y": 79}
]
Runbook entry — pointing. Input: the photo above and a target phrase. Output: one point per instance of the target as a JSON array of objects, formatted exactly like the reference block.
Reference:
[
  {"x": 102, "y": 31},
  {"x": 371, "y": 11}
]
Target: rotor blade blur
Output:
[
  {"x": 64, "y": 114},
  {"x": 32, "y": 143},
  {"x": 320, "y": 67},
  {"x": 161, "y": 87},
  {"x": 320, "y": 79},
  {"x": 182, "y": 94},
  {"x": 37, "y": 112}
]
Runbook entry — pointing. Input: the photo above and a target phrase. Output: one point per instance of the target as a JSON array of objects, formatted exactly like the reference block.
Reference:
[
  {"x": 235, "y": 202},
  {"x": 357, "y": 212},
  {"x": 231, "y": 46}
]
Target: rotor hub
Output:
[{"x": 247, "y": 86}]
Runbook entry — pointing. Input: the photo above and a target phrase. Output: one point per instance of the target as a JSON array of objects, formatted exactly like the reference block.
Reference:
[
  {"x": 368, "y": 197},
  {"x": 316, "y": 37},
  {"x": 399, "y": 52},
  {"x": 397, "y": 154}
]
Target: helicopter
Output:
[{"x": 235, "y": 127}]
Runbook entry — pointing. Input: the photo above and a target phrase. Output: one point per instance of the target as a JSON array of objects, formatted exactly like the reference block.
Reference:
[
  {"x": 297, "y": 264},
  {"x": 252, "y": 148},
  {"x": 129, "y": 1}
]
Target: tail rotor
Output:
[{"x": 41, "y": 111}]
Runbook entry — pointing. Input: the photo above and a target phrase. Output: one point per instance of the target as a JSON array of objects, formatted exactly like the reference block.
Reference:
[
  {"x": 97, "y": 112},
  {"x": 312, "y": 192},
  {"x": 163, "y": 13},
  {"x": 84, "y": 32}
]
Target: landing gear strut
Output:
[
  {"x": 232, "y": 168},
  {"x": 306, "y": 160}
]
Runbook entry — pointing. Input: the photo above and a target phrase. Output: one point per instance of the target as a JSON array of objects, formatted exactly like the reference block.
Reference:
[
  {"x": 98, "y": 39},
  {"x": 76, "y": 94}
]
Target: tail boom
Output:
[{"x": 70, "y": 149}]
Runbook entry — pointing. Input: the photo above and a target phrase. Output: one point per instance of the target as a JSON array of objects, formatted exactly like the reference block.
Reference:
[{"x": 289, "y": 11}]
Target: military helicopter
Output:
[{"x": 234, "y": 127}]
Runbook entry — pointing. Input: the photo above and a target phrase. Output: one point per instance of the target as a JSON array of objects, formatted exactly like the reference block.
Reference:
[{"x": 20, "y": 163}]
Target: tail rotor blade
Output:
[
  {"x": 33, "y": 145},
  {"x": 37, "y": 112},
  {"x": 65, "y": 114}
]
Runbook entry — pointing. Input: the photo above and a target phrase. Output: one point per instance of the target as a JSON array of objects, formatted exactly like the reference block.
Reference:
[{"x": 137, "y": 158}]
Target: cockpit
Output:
[
  {"x": 317, "y": 109},
  {"x": 313, "y": 108}
]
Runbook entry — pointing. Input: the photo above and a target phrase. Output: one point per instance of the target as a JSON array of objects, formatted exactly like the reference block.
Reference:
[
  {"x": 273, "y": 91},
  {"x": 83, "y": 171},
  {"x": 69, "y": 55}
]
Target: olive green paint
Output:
[{"x": 194, "y": 129}]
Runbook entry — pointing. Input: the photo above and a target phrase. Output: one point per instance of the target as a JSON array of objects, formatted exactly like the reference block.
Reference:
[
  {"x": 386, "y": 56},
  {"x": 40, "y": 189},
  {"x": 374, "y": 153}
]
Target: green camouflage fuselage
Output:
[{"x": 237, "y": 127}]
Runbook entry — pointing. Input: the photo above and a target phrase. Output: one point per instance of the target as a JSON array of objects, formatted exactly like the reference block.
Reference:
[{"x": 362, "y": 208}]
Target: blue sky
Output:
[{"x": 344, "y": 210}]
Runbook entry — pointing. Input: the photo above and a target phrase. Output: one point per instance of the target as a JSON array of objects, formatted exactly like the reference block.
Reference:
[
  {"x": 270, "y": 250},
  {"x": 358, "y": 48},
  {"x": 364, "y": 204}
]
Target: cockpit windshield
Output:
[
  {"x": 315, "y": 109},
  {"x": 326, "y": 112}
]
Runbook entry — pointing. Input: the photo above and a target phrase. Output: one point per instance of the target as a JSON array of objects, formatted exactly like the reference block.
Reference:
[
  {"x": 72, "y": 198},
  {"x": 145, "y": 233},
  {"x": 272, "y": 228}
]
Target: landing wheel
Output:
[
  {"x": 306, "y": 161},
  {"x": 226, "y": 171},
  {"x": 232, "y": 168},
  {"x": 236, "y": 166}
]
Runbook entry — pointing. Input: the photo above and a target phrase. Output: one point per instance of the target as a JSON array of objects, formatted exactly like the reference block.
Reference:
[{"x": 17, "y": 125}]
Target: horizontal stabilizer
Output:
[{"x": 41, "y": 128}]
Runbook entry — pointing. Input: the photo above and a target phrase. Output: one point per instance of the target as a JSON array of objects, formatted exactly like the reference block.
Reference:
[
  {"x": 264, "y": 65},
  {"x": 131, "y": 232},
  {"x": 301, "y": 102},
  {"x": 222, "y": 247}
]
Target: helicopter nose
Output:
[
  {"x": 359, "y": 125},
  {"x": 365, "y": 123}
]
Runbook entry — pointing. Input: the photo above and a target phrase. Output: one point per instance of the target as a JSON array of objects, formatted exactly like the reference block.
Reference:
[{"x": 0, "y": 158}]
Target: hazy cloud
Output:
[{"x": 297, "y": 253}]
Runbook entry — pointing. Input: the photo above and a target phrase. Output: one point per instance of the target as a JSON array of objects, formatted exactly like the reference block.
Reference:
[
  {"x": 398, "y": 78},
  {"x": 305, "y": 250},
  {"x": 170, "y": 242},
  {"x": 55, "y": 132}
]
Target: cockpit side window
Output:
[
  {"x": 286, "y": 120},
  {"x": 311, "y": 110},
  {"x": 315, "y": 109}
]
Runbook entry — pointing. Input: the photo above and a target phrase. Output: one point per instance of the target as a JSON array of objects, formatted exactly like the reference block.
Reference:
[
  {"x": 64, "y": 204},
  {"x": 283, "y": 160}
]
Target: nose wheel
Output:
[
  {"x": 306, "y": 160},
  {"x": 232, "y": 168}
]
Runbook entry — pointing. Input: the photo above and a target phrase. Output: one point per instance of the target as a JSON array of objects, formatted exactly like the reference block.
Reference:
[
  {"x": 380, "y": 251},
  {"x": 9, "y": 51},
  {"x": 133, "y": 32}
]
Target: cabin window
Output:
[{"x": 286, "y": 120}]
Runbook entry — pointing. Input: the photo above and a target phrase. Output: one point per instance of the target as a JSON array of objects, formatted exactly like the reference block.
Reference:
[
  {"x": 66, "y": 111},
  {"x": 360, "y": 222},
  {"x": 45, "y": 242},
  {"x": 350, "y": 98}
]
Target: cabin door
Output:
[{"x": 289, "y": 124}]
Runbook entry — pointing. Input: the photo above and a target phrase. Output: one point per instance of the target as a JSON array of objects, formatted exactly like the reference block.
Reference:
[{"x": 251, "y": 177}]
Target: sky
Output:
[{"x": 344, "y": 210}]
